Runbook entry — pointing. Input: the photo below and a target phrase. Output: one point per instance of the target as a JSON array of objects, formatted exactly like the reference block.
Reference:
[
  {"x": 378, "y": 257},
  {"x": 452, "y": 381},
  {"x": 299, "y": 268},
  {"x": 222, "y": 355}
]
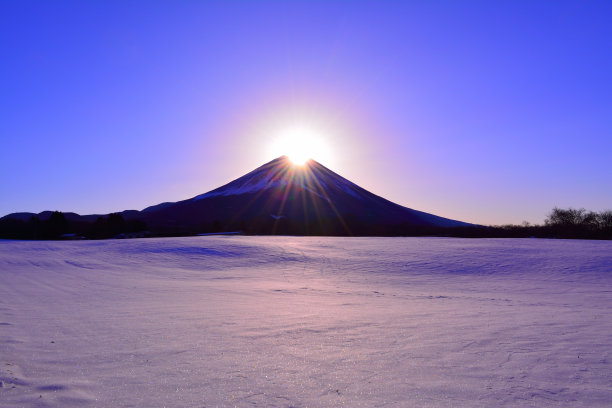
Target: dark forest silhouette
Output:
[
  {"x": 560, "y": 223},
  {"x": 57, "y": 226}
]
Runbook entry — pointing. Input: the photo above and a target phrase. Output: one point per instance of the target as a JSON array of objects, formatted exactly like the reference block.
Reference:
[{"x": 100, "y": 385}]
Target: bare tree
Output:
[
  {"x": 569, "y": 217},
  {"x": 604, "y": 219}
]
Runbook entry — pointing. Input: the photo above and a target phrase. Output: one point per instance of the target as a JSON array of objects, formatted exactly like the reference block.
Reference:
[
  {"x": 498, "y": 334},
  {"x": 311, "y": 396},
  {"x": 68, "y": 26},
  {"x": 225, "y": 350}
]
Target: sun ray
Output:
[
  {"x": 331, "y": 204},
  {"x": 286, "y": 192}
]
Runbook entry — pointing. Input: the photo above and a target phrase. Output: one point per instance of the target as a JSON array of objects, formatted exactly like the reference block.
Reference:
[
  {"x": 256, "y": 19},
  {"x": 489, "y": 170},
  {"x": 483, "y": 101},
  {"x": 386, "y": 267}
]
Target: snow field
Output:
[{"x": 305, "y": 322}]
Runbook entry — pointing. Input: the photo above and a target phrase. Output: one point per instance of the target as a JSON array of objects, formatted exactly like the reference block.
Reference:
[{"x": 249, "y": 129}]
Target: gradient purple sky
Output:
[{"x": 488, "y": 112}]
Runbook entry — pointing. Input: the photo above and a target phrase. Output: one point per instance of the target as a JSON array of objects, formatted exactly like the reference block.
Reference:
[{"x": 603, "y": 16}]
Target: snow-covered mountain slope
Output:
[
  {"x": 299, "y": 195},
  {"x": 282, "y": 174}
]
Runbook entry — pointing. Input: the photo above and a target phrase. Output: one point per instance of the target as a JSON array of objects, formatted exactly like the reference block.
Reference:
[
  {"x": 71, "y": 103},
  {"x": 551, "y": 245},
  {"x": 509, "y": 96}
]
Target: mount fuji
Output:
[
  {"x": 281, "y": 197},
  {"x": 276, "y": 198}
]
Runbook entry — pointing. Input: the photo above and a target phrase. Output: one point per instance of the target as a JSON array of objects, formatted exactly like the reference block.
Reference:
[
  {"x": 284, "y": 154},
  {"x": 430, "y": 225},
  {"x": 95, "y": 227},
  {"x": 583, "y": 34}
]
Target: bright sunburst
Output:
[{"x": 300, "y": 144}]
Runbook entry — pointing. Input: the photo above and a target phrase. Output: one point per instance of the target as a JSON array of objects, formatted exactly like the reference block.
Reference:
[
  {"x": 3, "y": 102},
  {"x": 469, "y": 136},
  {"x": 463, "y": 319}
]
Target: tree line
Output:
[
  {"x": 560, "y": 223},
  {"x": 57, "y": 226},
  {"x": 567, "y": 223},
  {"x": 580, "y": 223}
]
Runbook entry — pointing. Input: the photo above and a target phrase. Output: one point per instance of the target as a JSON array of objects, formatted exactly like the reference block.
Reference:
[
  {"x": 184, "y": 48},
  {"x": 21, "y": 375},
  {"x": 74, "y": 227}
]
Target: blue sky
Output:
[{"x": 487, "y": 112}]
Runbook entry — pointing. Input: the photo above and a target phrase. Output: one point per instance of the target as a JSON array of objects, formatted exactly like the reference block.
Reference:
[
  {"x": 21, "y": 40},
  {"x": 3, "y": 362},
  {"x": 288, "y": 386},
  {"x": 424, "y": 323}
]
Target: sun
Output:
[{"x": 300, "y": 144}]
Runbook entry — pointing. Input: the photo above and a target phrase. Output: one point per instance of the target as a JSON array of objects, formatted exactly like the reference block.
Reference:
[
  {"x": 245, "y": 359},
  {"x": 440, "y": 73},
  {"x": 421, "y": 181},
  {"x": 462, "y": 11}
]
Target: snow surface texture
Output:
[{"x": 306, "y": 322}]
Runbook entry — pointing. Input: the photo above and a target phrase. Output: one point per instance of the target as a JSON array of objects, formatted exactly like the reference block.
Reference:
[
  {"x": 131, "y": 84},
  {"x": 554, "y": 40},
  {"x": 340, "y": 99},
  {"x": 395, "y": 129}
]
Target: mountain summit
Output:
[{"x": 281, "y": 197}]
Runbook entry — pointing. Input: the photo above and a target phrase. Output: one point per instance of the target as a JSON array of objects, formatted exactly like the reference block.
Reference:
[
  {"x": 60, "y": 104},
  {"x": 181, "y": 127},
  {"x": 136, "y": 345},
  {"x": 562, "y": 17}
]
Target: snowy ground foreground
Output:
[{"x": 306, "y": 322}]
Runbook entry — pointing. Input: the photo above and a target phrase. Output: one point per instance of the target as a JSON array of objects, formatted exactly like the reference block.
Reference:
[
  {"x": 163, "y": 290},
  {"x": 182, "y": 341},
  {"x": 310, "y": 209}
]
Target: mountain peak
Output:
[
  {"x": 286, "y": 160},
  {"x": 280, "y": 173}
]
